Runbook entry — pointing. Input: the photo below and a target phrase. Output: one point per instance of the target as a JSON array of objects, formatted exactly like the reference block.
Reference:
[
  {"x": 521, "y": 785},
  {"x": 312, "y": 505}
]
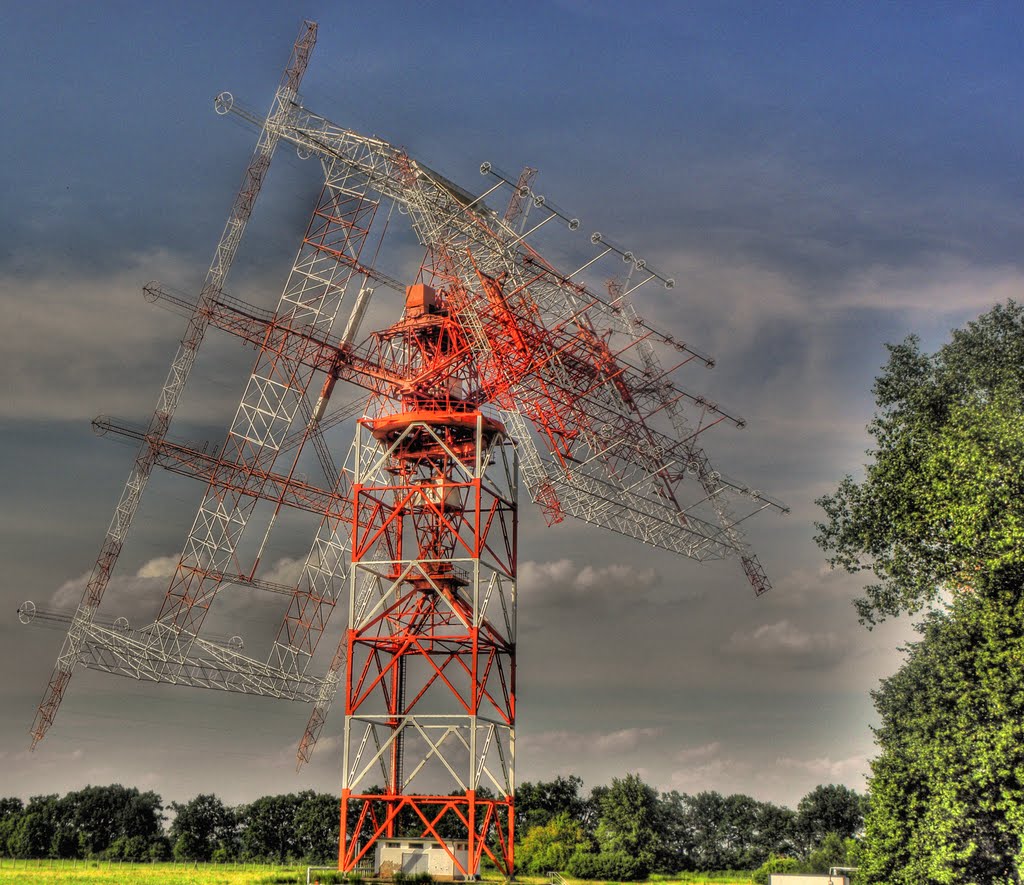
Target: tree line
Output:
[
  {"x": 622, "y": 831},
  {"x": 626, "y": 831},
  {"x": 122, "y": 823}
]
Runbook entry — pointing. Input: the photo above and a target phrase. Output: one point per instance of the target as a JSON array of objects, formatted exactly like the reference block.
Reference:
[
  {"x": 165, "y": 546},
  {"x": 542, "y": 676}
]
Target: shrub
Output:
[
  {"x": 774, "y": 864},
  {"x": 608, "y": 865}
]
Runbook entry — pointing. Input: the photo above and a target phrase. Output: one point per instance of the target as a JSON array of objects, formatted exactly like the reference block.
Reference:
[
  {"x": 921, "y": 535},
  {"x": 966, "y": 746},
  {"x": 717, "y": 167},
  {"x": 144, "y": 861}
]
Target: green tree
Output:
[
  {"x": 831, "y": 809},
  {"x": 775, "y": 864},
  {"x": 737, "y": 832},
  {"x": 100, "y": 816},
  {"x": 941, "y": 500},
  {"x": 628, "y": 821},
  {"x": 707, "y": 812},
  {"x": 268, "y": 829},
  {"x": 538, "y": 803},
  {"x": 947, "y": 791},
  {"x": 831, "y": 852},
  {"x": 317, "y": 827},
  {"x": 11, "y": 810},
  {"x": 550, "y": 846},
  {"x": 773, "y": 833},
  {"x": 676, "y": 833},
  {"x": 200, "y": 827},
  {"x": 32, "y": 835},
  {"x": 939, "y": 522}
]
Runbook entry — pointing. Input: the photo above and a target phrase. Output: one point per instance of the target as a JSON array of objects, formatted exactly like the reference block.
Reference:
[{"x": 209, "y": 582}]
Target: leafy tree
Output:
[
  {"x": 947, "y": 791},
  {"x": 939, "y": 522},
  {"x": 775, "y": 864},
  {"x": 707, "y": 813},
  {"x": 941, "y": 500},
  {"x": 32, "y": 835},
  {"x": 773, "y": 833},
  {"x": 268, "y": 829},
  {"x": 737, "y": 830},
  {"x": 830, "y": 853},
  {"x": 617, "y": 865},
  {"x": 131, "y": 848},
  {"x": 11, "y": 810},
  {"x": 676, "y": 832},
  {"x": 538, "y": 803},
  {"x": 200, "y": 827},
  {"x": 160, "y": 849},
  {"x": 550, "y": 846},
  {"x": 832, "y": 809},
  {"x": 592, "y": 808},
  {"x": 100, "y": 816},
  {"x": 628, "y": 822},
  {"x": 316, "y": 827}
]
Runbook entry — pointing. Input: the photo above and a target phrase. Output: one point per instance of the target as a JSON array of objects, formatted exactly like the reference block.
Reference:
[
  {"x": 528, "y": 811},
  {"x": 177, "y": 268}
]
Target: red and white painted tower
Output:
[{"x": 430, "y": 664}]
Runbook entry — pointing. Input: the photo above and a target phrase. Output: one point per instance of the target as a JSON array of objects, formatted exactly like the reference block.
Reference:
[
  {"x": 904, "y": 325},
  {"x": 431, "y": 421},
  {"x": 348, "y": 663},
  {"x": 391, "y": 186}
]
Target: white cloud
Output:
[
  {"x": 589, "y": 744},
  {"x": 135, "y": 597},
  {"x": 160, "y": 567},
  {"x": 851, "y": 771},
  {"x": 710, "y": 775},
  {"x": 138, "y": 597},
  {"x": 563, "y": 581},
  {"x": 692, "y": 755},
  {"x": 783, "y": 642},
  {"x": 946, "y": 288},
  {"x": 285, "y": 571},
  {"x": 624, "y": 740}
]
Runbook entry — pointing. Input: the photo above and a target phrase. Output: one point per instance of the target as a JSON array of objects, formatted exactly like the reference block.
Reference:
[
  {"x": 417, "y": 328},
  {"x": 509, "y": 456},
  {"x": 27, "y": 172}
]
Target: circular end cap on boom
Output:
[
  {"x": 485, "y": 168},
  {"x": 223, "y": 103},
  {"x": 26, "y": 611}
]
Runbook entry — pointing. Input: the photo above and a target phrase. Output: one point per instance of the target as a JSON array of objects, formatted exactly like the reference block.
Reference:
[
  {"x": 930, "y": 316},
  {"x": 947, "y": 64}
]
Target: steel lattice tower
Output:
[
  {"x": 432, "y": 607},
  {"x": 502, "y": 366}
]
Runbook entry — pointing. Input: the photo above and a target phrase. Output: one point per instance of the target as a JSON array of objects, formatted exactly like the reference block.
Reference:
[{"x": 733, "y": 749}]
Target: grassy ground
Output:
[{"x": 56, "y": 872}]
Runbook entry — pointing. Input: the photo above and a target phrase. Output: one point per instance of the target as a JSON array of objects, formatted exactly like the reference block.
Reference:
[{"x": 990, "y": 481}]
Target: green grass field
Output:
[
  {"x": 68, "y": 872},
  {"x": 56, "y": 872}
]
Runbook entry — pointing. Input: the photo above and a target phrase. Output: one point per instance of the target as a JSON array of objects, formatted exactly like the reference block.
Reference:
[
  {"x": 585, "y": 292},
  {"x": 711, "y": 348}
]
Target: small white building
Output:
[
  {"x": 413, "y": 856},
  {"x": 804, "y": 879}
]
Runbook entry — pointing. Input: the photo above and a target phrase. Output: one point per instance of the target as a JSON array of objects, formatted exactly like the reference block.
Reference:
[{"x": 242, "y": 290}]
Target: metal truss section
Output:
[
  {"x": 181, "y": 367},
  {"x": 580, "y": 368},
  {"x": 310, "y": 302},
  {"x": 161, "y": 655}
]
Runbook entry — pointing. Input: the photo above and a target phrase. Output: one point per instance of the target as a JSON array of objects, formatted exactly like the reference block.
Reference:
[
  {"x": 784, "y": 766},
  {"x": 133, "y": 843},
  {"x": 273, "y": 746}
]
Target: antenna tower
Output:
[{"x": 501, "y": 367}]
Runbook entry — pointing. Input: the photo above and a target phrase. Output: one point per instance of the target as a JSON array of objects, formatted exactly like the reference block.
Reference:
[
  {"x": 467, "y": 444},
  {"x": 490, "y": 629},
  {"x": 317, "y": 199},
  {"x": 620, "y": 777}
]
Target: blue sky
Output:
[{"x": 819, "y": 178}]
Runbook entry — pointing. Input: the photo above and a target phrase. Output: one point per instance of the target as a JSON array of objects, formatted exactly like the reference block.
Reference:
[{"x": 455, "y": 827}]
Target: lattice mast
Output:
[{"x": 430, "y": 675}]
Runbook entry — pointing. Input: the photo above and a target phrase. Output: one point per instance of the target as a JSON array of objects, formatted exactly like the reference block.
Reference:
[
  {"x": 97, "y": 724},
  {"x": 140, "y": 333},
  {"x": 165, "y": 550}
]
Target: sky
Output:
[{"x": 819, "y": 178}]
